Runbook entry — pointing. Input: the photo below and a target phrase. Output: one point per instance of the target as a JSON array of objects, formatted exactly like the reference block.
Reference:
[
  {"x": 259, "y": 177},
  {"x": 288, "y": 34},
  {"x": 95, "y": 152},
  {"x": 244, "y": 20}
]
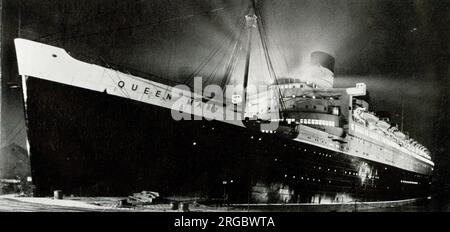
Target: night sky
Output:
[{"x": 400, "y": 49}]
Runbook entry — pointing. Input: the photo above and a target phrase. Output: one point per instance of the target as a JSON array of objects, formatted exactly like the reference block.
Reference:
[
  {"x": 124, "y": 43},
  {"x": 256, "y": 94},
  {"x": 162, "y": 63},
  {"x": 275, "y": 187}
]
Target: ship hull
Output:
[{"x": 90, "y": 143}]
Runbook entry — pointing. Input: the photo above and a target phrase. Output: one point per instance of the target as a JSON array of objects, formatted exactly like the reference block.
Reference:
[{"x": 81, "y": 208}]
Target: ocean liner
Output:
[{"x": 95, "y": 130}]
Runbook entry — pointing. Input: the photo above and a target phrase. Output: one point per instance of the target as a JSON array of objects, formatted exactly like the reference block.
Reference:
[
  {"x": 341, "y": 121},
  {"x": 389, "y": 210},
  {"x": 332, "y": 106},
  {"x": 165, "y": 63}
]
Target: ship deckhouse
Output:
[{"x": 310, "y": 103}]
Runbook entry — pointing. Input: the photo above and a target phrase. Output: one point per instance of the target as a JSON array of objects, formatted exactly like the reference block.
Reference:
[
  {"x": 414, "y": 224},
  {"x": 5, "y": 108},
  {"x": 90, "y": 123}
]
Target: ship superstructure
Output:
[{"x": 340, "y": 119}]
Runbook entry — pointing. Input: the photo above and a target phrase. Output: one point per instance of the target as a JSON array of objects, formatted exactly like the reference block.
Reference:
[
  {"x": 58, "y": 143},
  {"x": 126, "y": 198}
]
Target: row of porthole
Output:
[
  {"x": 351, "y": 173},
  {"x": 307, "y": 106},
  {"x": 300, "y": 148},
  {"x": 410, "y": 161},
  {"x": 317, "y": 140},
  {"x": 357, "y": 174},
  {"x": 306, "y": 178},
  {"x": 317, "y": 122},
  {"x": 204, "y": 126},
  {"x": 332, "y": 170},
  {"x": 363, "y": 141},
  {"x": 345, "y": 172},
  {"x": 253, "y": 137},
  {"x": 321, "y": 154},
  {"x": 319, "y": 180}
]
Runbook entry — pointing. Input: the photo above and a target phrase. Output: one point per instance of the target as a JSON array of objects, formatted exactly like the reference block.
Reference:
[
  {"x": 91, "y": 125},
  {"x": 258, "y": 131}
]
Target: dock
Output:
[{"x": 14, "y": 203}]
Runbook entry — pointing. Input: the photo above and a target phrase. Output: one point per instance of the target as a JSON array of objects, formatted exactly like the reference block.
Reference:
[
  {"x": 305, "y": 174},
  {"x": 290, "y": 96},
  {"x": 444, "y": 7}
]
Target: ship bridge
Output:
[
  {"x": 309, "y": 99},
  {"x": 316, "y": 107}
]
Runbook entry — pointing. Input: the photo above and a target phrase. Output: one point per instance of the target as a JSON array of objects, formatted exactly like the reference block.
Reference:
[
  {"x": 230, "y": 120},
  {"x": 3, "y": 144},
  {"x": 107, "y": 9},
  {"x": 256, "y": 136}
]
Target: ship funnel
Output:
[
  {"x": 323, "y": 59},
  {"x": 321, "y": 68}
]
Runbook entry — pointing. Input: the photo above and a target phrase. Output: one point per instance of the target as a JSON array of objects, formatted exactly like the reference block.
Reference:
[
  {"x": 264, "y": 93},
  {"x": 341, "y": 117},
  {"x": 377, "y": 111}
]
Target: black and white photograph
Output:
[{"x": 224, "y": 106}]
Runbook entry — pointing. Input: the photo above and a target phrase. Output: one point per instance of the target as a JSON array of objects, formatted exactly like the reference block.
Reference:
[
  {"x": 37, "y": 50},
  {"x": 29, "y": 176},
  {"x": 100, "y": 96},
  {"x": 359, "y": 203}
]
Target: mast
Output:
[{"x": 250, "y": 23}]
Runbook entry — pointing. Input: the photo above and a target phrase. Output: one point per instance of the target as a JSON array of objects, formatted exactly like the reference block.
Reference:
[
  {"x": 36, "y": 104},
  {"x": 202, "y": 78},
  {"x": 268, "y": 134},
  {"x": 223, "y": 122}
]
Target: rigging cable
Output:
[
  {"x": 212, "y": 54},
  {"x": 268, "y": 60},
  {"x": 231, "y": 66},
  {"x": 152, "y": 24},
  {"x": 283, "y": 56},
  {"x": 14, "y": 132},
  {"x": 143, "y": 25},
  {"x": 232, "y": 54}
]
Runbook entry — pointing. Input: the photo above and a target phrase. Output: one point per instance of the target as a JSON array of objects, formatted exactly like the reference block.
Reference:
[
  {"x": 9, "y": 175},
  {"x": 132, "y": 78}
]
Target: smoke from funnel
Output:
[{"x": 323, "y": 59}]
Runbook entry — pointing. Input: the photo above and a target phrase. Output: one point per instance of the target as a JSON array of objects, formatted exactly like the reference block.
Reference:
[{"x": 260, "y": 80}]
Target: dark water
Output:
[{"x": 435, "y": 204}]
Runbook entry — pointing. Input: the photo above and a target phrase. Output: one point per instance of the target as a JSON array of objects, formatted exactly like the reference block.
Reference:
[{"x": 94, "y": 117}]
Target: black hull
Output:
[{"x": 90, "y": 143}]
